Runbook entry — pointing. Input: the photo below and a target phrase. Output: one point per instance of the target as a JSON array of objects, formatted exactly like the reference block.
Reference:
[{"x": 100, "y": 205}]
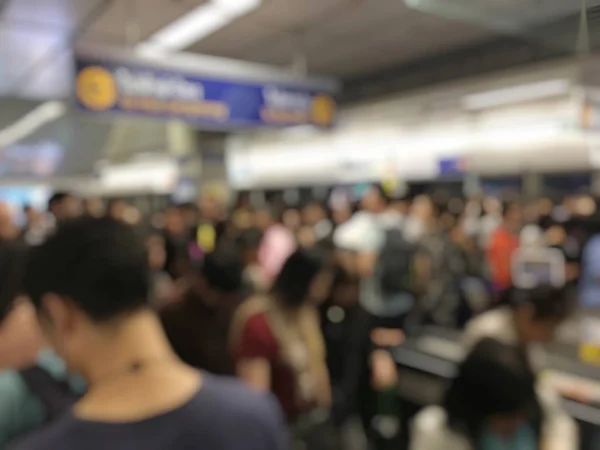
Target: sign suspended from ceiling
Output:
[{"x": 109, "y": 87}]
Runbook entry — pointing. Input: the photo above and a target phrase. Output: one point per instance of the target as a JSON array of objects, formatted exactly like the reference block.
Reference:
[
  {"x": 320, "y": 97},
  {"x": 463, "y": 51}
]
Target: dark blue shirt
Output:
[{"x": 223, "y": 415}]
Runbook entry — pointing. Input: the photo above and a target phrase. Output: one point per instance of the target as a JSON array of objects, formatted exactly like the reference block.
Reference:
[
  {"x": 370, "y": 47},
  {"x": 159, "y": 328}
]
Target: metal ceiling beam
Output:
[
  {"x": 496, "y": 54},
  {"x": 483, "y": 58},
  {"x": 3, "y": 5}
]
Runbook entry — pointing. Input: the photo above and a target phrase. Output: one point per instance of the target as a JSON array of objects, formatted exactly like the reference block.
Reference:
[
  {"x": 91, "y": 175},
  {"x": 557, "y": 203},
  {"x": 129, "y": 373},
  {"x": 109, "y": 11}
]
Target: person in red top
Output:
[
  {"x": 277, "y": 341},
  {"x": 503, "y": 243}
]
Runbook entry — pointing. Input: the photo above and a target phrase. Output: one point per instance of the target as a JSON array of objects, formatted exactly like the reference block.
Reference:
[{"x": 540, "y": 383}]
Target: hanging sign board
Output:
[{"x": 110, "y": 87}]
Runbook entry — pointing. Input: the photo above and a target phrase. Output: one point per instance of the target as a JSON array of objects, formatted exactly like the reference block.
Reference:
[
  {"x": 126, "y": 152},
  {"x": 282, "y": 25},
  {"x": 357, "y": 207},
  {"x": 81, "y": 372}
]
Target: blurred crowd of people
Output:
[{"x": 110, "y": 311}]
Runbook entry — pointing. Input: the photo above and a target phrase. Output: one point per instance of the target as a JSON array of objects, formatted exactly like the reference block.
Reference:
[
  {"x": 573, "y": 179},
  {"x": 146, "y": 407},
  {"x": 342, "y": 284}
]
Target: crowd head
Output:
[
  {"x": 494, "y": 390},
  {"x": 86, "y": 277},
  {"x": 304, "y": 278},
  {"x": 539, "y": 311}
]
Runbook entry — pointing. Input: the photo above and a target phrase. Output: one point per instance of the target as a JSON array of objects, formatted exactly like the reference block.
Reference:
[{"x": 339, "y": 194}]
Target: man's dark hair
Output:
[
  {"x": 57, "y": 198},
  {"x": 548, "y": 302},
  {"x": 12, "y": 264},
  {"x": 98, "y": 264},
  {"x": 250, "y": 238},
  {"x": 495, "y": 378},
  {"x": 510, "y": 207},
  {"x": 222, "y": 270}
]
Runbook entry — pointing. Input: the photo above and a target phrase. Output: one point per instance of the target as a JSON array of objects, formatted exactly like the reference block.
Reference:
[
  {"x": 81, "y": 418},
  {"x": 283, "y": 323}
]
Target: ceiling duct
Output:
[{"x": 555, "y": 23}]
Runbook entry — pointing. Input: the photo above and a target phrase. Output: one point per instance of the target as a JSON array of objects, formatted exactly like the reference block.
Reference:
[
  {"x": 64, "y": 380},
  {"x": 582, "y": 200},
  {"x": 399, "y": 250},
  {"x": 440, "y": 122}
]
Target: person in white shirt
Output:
[
  {"x": 490, "y": 221},
  {"x": 493, "y": 404},
  {"x": 530, "y": 317}
]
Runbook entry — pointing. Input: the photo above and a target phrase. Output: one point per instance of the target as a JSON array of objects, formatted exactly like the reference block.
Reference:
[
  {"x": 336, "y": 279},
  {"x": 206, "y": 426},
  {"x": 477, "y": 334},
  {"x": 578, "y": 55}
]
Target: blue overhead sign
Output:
[
  {"x": 451, "y": 167},
  {"x": 105, "y": 87}
]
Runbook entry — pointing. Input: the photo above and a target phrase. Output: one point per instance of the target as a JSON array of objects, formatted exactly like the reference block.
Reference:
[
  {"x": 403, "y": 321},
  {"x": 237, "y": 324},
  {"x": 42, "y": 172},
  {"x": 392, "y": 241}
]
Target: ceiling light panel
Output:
[{"x": 199, "y": 23}]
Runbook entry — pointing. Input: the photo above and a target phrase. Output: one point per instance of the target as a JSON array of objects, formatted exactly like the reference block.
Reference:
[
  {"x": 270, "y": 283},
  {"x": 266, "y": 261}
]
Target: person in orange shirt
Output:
[{"x": 503, "y": 243}]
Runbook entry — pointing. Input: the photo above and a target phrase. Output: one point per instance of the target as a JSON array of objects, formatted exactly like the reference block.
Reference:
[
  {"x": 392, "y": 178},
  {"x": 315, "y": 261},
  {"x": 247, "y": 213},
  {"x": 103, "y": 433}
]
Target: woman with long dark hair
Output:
[{"x": 277, "y": 341}]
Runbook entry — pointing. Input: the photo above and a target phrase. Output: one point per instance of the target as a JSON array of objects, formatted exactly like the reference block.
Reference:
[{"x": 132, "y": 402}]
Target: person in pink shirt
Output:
[{"x": 277, "y": 244}]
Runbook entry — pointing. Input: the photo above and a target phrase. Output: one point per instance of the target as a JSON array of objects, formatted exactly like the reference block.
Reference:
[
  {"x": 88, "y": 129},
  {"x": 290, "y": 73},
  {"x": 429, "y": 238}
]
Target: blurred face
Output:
[
  {"x": 422, "y": 209},
  {"x": 458, "y": 234},
  {"x": 586, "y": 206},
  {"x": 513, "y": 219},
  {"x": 250, "y": 256},
  {"x": 341, "y": 215},
  {"x": 533, "y": 329},
  {"x": 347, "y": 260},
  {"x": 292, "y": 219},
  {"x": 70, "y": 208},
  {"x": 156, "y": 253},
  {"x": 312, "y": 214},
  {"x": 20, "y": 335},
  {"x": 66, "y": 329},
  {"x": 545, "y": 206},
  {"x": 263, "y": 220},
  {"x": 8, "y": 229},
  {"x": 491, "y": 205},
  {"x": 400, "y": 207},
  {"x": 320, "y": 287},
  {"x": 306, "y": 237},
  {"x": 447, "y": 222},
  {"x": 33, "y": 216},
  {"x": 372, "y": 200},
  {"x": 174, "y": 223},
  {"x": 117, "y": 210},
  {"x": 543, "y": 330},
  {"x": 506, "y": 425},
  {"x": 209, "y": 207},
  {"x": 243, "y": 219},
  {"x": 94, "y": 207}
]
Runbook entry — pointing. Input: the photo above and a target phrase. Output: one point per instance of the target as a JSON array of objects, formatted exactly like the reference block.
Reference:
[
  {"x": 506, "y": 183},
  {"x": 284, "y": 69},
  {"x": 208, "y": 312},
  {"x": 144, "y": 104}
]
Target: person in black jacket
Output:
[
  {"x": 346, "y": 329},
  {"x": 198, "y": 326}
]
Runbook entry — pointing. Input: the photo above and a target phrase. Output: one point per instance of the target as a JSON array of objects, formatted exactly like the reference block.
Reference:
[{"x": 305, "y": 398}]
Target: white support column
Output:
[
  {"x": 532, "y": 185},
  {"x": 595, "y": 186},
  {"x": 183, "y": 146}
]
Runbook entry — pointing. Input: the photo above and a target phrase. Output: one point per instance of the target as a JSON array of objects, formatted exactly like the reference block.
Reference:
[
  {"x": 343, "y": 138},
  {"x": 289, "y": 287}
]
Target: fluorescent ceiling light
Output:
[
  {"x": 31, "y": 122},
  {"x": 516, "y": 94},
  {"x": 201, "y": 22}
]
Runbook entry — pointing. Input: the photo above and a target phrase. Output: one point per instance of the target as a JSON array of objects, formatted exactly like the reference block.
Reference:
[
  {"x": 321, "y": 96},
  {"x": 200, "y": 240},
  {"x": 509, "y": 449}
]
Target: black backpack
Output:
[
  {"x": 57, "y": 396},
  {"x": 395, "y": 262}
]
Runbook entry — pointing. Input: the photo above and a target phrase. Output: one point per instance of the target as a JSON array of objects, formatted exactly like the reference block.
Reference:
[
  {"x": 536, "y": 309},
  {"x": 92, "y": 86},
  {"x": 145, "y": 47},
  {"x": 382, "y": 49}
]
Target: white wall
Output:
[{"x": 406, "y": 136}]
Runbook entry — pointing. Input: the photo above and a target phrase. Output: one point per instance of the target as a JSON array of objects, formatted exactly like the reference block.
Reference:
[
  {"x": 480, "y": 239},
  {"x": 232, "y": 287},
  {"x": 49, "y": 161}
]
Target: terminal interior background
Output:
[{"x": 447, "y": 97}]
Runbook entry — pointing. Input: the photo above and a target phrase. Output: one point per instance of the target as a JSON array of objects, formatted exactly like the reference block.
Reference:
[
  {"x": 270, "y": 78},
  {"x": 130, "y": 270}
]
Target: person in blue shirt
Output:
[
  {"x": 90, "y": 286},
  {"x": 589, "y": 284},
  {"x": 21, "y": 410}
]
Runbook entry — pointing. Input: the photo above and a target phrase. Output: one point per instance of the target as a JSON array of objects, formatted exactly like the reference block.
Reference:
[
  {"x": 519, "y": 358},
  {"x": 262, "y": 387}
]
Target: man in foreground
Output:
[{"x": 90, "y": 285}]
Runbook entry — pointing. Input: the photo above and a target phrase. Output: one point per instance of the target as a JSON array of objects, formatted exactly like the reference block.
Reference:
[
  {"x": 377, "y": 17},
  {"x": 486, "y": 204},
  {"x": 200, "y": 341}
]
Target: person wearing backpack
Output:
[
  {"x": 384, "y": 259},
  {"x": 34, "y": 385}
]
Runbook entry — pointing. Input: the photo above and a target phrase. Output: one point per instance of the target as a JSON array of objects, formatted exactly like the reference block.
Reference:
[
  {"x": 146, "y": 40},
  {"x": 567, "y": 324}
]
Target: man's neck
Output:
[{"x": 133, "y": 341}]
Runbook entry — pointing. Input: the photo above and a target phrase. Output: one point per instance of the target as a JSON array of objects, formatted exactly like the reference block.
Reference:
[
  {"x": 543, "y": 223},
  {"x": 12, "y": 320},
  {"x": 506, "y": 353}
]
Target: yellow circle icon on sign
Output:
[
  {"x": 96, "y": 88},
  {"x": 323, "y": 110}
]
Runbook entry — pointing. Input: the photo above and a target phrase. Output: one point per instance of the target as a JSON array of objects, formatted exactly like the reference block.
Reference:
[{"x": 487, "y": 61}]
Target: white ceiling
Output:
[{"x": 337, "y": 37}]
